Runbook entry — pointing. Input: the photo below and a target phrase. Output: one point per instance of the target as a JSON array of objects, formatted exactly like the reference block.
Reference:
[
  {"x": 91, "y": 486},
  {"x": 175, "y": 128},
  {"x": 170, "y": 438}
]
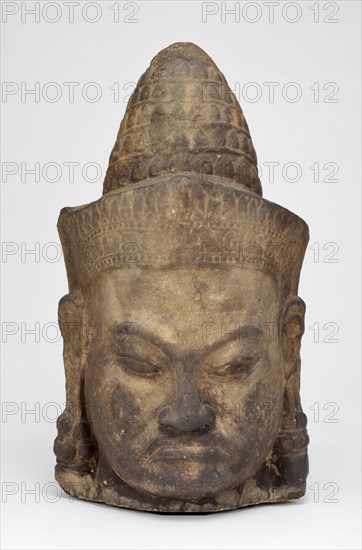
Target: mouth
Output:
[{"x": 175, "y": 450}]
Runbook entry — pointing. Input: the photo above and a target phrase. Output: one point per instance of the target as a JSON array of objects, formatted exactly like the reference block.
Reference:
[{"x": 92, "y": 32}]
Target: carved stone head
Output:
[{"x": 182, "y": 326}]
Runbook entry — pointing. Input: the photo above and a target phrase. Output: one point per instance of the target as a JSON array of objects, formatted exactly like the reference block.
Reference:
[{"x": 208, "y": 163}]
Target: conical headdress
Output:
[
  {"x": 182, "y": 117},
  {"x": 182, "y": 189}
]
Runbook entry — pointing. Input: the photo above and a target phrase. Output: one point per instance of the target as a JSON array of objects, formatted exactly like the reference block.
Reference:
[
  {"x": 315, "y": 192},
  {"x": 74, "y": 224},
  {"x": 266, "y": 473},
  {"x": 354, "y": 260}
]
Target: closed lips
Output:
[{"x": 182, "y": 451}]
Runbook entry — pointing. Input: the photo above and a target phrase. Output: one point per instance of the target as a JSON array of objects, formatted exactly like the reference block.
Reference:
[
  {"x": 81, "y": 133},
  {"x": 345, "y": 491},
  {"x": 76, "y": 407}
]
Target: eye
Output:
[
  {"x": 140, "y": 368},
  {"x": 242, "y": 366}
]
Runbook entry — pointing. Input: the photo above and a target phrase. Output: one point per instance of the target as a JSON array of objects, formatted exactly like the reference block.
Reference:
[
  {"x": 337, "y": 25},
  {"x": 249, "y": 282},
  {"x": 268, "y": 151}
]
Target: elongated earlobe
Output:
[
  {"x": 290, "y": 448},
  {"x": 74, "y": 447}
]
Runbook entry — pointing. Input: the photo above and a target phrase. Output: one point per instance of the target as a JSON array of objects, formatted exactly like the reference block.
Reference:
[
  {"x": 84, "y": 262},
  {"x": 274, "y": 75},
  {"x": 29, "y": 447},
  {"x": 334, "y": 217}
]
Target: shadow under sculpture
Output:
[{"x": 182, "y": 326}]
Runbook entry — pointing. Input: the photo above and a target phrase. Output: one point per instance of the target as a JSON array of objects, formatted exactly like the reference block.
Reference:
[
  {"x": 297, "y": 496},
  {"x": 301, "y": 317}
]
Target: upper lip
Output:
[{"x": 179, "y": 448}]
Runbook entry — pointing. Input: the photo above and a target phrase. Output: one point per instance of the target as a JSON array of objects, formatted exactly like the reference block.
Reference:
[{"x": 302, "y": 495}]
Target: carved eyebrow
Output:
[
  {"x": 133, "y": 329},
  {"x": 237, "y": 335}
]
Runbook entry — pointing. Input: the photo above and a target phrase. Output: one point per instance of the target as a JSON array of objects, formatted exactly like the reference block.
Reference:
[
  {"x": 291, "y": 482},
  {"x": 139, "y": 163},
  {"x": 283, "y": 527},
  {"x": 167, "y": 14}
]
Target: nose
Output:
[{"x": 188, "y": 414}]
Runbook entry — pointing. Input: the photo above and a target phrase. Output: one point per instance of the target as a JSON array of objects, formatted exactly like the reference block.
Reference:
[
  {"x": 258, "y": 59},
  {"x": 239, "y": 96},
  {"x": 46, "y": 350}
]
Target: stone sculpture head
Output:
[{"x": 182, "y": 325}]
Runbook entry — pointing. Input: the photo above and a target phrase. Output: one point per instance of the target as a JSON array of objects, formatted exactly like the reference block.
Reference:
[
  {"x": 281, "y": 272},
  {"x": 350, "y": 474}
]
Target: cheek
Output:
[
  {"x": 126, "y": 406},
  {"x": 119, "y": 403},
  {"x": 249, "y": 403}
]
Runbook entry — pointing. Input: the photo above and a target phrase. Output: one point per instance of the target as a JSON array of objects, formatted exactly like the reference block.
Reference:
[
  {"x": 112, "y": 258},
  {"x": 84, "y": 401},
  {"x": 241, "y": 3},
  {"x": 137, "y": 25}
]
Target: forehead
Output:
[{"x": 178, "y": 304}]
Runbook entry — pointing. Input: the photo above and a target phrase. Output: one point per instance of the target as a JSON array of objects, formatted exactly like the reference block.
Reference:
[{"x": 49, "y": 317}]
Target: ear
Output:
[
  {"x": 292, "y": 332},
  {"x": 71, "y": 322}
]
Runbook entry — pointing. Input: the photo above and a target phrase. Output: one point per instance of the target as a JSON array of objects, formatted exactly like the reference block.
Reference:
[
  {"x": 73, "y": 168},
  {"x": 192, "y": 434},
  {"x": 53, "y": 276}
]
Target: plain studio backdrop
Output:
[{"x": 68, "y": 70}]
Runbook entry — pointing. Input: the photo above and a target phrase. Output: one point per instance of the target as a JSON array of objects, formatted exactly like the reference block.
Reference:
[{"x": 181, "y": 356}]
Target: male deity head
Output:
[{"x": 182, "y": 325}]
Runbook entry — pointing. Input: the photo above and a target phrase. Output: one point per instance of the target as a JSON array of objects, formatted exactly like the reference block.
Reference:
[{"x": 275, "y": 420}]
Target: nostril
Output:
[
  {"x": 164, "y": 416},
  {"x": 210, "y": 416},
  {"x": 187, "y": 419}
]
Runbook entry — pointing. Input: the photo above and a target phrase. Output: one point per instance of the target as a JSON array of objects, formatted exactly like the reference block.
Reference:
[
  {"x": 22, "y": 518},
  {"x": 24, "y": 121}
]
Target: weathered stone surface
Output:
[{"x": 182, "y": 326}]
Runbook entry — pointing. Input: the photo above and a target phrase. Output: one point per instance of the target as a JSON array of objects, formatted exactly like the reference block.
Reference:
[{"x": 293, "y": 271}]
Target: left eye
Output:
[
  {"x": 243, "y": 366},
  {"x": 140, "y": 368}
]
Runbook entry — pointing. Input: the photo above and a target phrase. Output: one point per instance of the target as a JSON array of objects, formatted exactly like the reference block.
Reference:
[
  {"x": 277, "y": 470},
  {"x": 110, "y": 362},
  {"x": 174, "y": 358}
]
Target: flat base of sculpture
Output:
[{"x": 246, "y": 494}]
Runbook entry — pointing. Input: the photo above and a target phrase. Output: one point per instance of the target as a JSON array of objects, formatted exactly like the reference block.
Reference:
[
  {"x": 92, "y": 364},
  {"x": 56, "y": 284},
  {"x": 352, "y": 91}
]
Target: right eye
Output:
[{"x": 138, "y": 367}]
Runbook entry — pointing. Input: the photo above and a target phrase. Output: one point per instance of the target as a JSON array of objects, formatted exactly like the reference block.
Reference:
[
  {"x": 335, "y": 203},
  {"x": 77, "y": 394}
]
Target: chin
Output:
[{"x": 186, "y": 480}]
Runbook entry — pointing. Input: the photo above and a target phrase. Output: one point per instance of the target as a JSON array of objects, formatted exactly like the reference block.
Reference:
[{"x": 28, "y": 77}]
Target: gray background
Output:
[{"x": 319, "y": 52}]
